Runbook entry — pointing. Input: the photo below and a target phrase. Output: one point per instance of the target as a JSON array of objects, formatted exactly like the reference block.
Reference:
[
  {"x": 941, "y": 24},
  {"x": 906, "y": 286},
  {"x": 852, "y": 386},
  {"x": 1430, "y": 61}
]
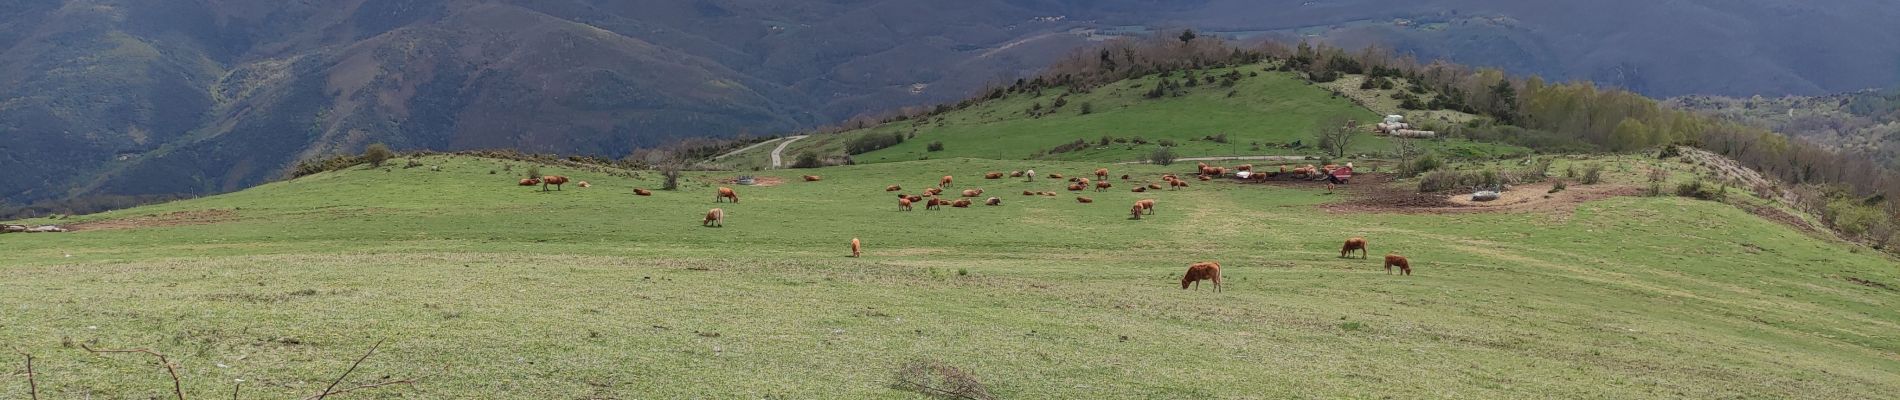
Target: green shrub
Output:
[
  {"x": 934, "y": 146},
  {"x": 1592, "y": 174},
  {"x": 377, "y": 153},
  {"x": 1558, "y": 186},
  {"x": 808, "y": 160},
  {"x": 872, "y": 142},
  {"x": 1166, "y": 142},
  {"x": 1162, "y": 156},
  {"x": 1438, "y": 181},
  {"x": 534, "y": 172}
]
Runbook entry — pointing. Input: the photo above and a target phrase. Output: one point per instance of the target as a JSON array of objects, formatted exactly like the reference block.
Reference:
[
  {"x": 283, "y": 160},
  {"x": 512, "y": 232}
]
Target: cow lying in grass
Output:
[
  {"x": 1201, "y": 271},
  {"x": 642, "y": 192},
  {"x": 530, "y": 182},
  {"x": 813, "y": 178}
]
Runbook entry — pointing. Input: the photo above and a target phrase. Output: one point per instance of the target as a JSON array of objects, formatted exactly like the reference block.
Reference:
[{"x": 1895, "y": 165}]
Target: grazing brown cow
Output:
[
  {"x": 946, "y": 181},
  {"x": 1101, "y": 173},
  {"x": 935, "y": 204},
  {"x": 933, "y": 191},
  {"x": 993, "y": 175},
  {"x": 1201, "y": 271},
  {"x": 893, "y": 188},
  {"x": 1103, "y": 185},
  {"x": 583, "y": 184},
  {"x": 813, "y": 178},
  {"x": 1075, "y": 187},
  {"x": 1220, "y": 172},
  {"x": 1146, "y": 205},
  {"x": 1084, "y": 200},
  {"x": 715, "y": 217},
  {"x": 1083, "y": 181},
  {"x": 1357, "y": 243},
  {"x": 1135, "y": 212},
  {"x": 1405, "y": 266},
  {"x": 555, "y": 180},
  {"x": 961, "y": 203},
  {"x": 530, "y": 182},
  {"x": 993, "y": 202},
  {"x": 972, "y": 193},
  {"x": 726, "y": 193},
  {"x": 1143, "y": 189},
  {"x": 642, "y": 192},
  {"x": 857, "y": 249},
  {"x": 903, "y": 204}
]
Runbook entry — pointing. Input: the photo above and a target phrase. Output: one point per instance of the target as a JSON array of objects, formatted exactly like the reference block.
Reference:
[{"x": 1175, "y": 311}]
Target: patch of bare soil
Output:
[
  {"x": 180, "y": 218},
  {"x": 1535, "y": 198},
  {"x": 1781, "y": 216},
  {"x": 760, "y": 181}
]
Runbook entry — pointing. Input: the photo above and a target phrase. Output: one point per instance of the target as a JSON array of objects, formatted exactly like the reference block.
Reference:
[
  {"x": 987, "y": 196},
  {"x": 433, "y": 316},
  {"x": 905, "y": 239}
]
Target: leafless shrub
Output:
[{"x": 936, "y": 379}]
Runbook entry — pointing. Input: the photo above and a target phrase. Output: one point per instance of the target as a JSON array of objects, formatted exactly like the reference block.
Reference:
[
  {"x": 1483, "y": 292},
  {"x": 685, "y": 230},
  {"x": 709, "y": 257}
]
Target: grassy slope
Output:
[
  {"x": 595, "y": 292},
  {"x": 1270, "y": 109}
]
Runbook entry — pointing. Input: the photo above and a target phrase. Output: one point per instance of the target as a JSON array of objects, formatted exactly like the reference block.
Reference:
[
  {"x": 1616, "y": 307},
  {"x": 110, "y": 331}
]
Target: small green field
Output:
[
  {"x": 1260, "y": 114},
  {"x": 496, "y": 291}
]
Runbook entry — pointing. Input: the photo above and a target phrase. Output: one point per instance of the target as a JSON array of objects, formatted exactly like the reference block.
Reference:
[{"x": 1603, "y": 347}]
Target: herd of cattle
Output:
[{"x": 932, "y": 200}]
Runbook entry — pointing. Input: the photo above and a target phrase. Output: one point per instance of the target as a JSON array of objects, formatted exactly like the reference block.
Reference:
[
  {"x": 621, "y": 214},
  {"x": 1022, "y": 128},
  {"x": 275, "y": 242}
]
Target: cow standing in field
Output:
[
  {"x": 857, "y": 250},
  {"x": 945, "y": 182},
  {"x": 903, "y": 204},
  {"x": 1405, "y": 266},
  {"x": 726, "y": 193},
  {"x": 1101, "y": 174},
  {"x": 715, "y": 218},
  {"x": 934, "y": 204},
  {"x": 1134, "y": 213},
  {"x": 1102, "y": 186},
  {"x": 1147, "y": 205},
  {"x": 555, "y": 180},
  {"x": 1201, "y": 271},
  {"x": 1357, "y": 243}
]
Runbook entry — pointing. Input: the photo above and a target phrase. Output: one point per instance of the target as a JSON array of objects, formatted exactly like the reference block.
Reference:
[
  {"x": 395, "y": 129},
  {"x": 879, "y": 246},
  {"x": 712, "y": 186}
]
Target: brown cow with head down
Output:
[
  {"x": 903, "y": 204},
  {"x": 1146, "y": 205},
  {"x": 1201, "y": 271},
  {"x": 1134, "y": 213},
  {"x": 1405, "y": 266},
  {"x": 1357, "y": 243},
  {"x": 555, "y": 180},
  {"x": 1102, "y": 186},
  {"x": 946, "y": 181},
  {"x": 857, "y": 249},
  {"x": 726, "y": 193},
  {"x": 715, "y": 217},
  {"x": 935, "y": 204}
]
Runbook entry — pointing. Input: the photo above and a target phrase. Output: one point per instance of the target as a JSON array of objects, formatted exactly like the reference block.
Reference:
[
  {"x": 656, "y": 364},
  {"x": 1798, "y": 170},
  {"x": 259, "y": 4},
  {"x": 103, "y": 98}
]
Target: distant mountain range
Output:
[{"x": 165, "y": 97}]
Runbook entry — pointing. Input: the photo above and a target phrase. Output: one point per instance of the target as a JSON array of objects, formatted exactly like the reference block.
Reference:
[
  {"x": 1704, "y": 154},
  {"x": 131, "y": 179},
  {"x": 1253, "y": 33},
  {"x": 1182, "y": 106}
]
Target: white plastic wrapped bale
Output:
[
  {"x": 1243, "y": 174},
  {"x": 1408, "y": 133},
  {"x": 1485, "y": 195}
]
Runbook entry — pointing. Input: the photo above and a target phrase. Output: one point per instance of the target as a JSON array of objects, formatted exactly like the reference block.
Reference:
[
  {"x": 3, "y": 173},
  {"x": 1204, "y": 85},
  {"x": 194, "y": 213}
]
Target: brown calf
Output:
[
  {"x": 946, "y": 181},
  {"x": 903, "y": 204},
  {"x": 857, "y": 250},
  {"x": 1405, "y": 266},
  {"x": 1201, "y": 271},
  {"x": 726, "y": 193},
  {"x": 715, "y": 217},
  {"x": 1357, "y": 243}
]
